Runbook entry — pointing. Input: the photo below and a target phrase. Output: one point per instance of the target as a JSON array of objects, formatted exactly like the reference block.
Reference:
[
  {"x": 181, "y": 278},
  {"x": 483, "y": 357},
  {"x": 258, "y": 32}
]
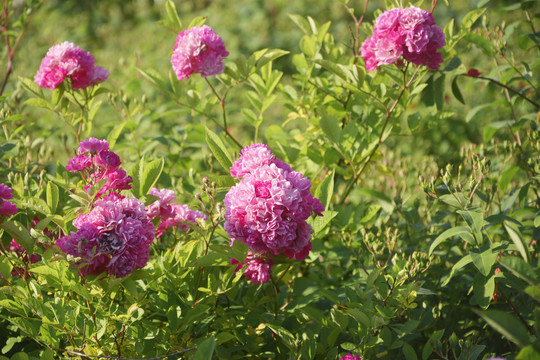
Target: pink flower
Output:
[
  {"x": 198, "y": 50},
  {"x": 350, "y": 357},
  {"x": 268, "y": 209},
  {"x": 410, "y": 33},
  {"x": 257, "y": 268},
  {"x": 7, "y": 208},
  {"x": 115, "y": 237},
  {"x": 96, "y": 163},
  {"x": 69, "y": 61},
  {"x": 93, "y": 146},
  {"x": 172, "y": 215}
]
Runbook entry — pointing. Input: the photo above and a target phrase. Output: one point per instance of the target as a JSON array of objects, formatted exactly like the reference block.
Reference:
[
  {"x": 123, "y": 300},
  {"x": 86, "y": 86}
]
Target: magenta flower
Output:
[
  {"x": 96, "y": 163},
  {"x": 7, "y": 208},
  {"x": 69, "y": 61},
  {"x": 350, "y": 357},
  {"x": 115, "y": 237},
  {"x": 410, "y": 33},
  {"x": 170, "y": 214},
  {"x": 268, "y": 209},
  {"x": 198, "y": 50},
  {"x": 257, "y": 268}
]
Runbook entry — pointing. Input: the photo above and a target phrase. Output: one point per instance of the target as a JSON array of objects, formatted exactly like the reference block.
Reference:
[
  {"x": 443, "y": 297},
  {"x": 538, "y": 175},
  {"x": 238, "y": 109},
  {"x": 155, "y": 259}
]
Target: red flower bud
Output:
[{"x": 473, "y": 73}]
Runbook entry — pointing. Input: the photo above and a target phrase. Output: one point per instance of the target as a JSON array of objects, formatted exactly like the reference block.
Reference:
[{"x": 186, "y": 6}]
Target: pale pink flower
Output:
[
  {"x": 69, "y": 61},
  {"x": 410, "y": 33},
  {"x": 170, "y": 214},
  {"x": 268, "y": 209},
  {"x": 198, "y": 50}
]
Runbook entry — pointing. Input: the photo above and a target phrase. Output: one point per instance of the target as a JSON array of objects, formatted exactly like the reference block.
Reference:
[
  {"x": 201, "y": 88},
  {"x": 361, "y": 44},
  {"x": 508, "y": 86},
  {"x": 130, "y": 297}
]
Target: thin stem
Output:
[
  {"x": 389, "y": 113},
  {"x": 508, "y": 88},
  {"x": 224, "y": 113}
]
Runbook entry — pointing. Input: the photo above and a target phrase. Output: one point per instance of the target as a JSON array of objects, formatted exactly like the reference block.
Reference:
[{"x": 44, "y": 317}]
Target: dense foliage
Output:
[{"x": 141, "y": 216}]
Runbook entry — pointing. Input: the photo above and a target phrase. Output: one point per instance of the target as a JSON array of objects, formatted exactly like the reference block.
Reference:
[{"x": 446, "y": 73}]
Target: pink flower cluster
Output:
[
  {"x": 409, "y": 32},
  {"x": 267, "y": 210},
  {"x": 198, "y": 50},
  {"x": 350, "y": 357},
  {"x": 115, "y": 237},
  {"x": 69, "y": 61},
  {"x": 172, "y": 215},
  {"x": 7, "y": 208},
  {"x": 96, "y": 163},
  {"x": 257, "y": 267}
]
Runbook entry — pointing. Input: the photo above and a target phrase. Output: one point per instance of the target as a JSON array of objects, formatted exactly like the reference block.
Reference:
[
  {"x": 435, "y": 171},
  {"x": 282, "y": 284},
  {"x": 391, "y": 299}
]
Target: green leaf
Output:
[
  {"x": 456, "y": 91},
  {"x": 5, "y": 267},
  {"x": 484, "y": 44},
  {"x": 218, "y": 149},
  {"x": 198, "y": 21},
  {"x": 520, "y": 269},
  {"x": 320, "y": 222},
  {"x": 507, "y": 325},
  {"x": 206, "y": 349},
  {"x": 471, "y": 18},
  {"x": 331, "y": 128},
  {"x": 517, "y": 239},
  {"x": 150, "y": 175},
  {"x": 114, "y": 134},
  {"x": 301, "y": 22},
  {"x": 528, "y": 353},
  {"x": 45, "y": 271},
  {"x": 507, "y": 176},
  {"x": 53, "y": 196},
  {"x": 409, "y": 352},
  {"x": 483, "y": 259},
  {"x": 20, "y": 234},
  {"x": 308, "y": 45},
  {"x": 458, "y": 230},
  {"x": 31, "y": 86},
  {"x": 466, "y": 260},
  {"x": 483, "y": 289},
  {"x": 285, "y": 335},
  {"x": 475, "y": 220},
  {"x": 325, "y": 190},
  {"x": 173, "y": 15},
  {"x": 38, "y": 102}
]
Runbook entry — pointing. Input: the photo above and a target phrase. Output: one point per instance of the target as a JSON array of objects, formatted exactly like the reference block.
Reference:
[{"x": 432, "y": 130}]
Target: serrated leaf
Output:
[
  {"x": 38, "y": 102},
  {"x": 31, "y": 86},
  {"x": 331, "y": 128},
  {"x": 320, "y": 222},
  {"x": 218, "y": 149}
]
